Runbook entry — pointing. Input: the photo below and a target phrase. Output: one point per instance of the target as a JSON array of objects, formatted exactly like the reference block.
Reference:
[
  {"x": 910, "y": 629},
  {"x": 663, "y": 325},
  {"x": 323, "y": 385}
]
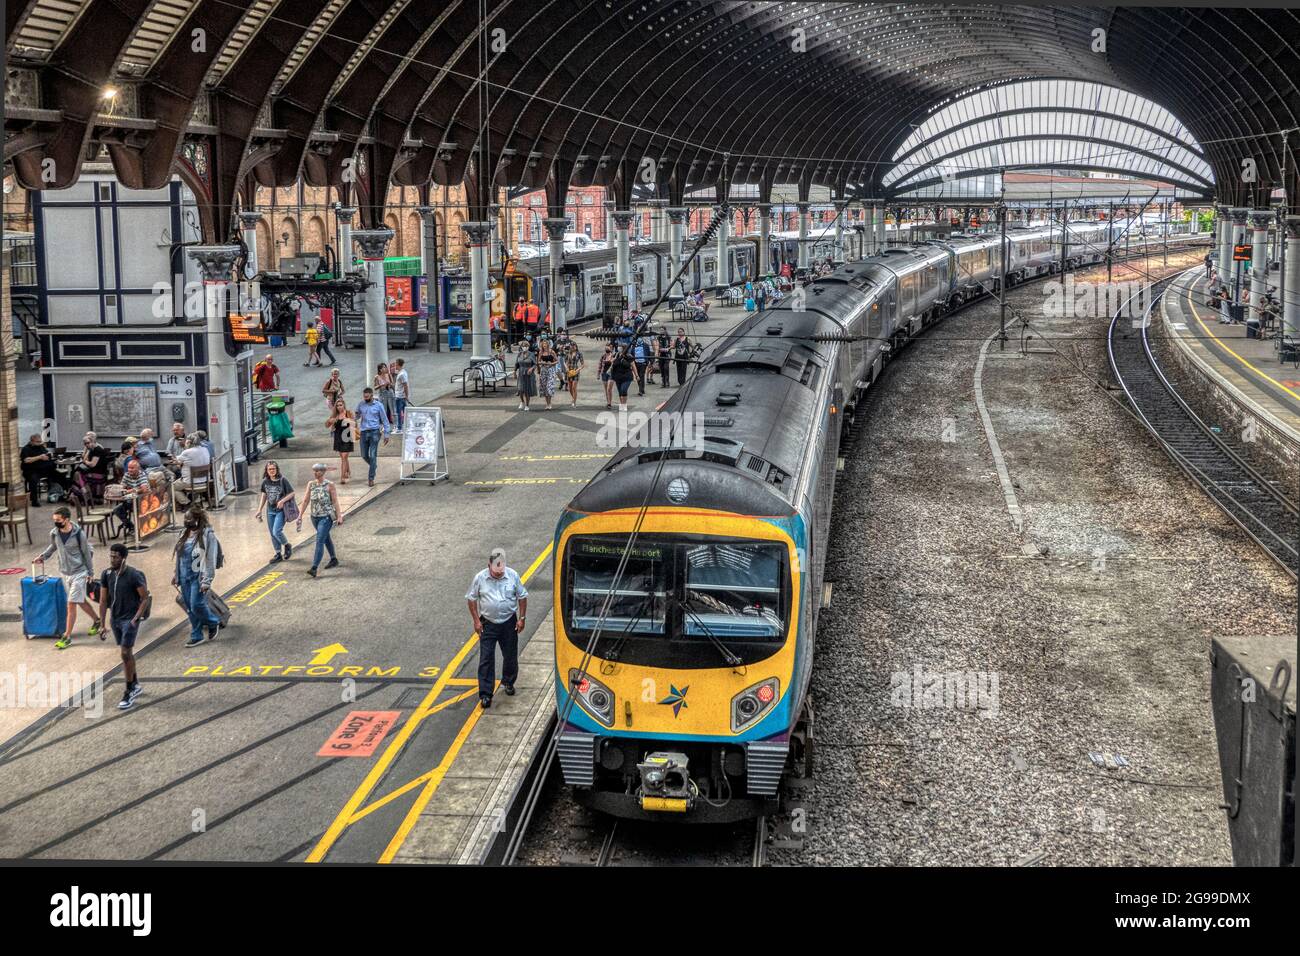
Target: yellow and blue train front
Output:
[{"x": 696, "y": 670}]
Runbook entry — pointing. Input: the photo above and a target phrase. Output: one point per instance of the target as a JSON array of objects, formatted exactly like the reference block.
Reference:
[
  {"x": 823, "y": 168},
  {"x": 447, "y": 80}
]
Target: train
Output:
[{"x": 689, "y": 572}]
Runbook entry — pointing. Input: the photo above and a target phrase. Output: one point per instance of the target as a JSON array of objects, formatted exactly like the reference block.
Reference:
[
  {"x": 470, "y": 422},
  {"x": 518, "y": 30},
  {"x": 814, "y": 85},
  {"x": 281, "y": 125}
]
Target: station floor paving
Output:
[
  {"x": 1248, "y": 367},
  {"x": 221, "y": 758}
]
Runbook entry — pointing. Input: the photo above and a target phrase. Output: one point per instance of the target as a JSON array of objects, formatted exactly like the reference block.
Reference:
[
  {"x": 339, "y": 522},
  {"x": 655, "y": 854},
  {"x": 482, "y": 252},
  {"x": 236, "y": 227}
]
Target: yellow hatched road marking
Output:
[{"x": 352, "y": 810}]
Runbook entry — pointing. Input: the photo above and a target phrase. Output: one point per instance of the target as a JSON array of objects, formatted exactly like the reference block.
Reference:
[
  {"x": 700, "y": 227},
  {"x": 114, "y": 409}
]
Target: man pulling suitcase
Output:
[{"x": 77, "y": 565}]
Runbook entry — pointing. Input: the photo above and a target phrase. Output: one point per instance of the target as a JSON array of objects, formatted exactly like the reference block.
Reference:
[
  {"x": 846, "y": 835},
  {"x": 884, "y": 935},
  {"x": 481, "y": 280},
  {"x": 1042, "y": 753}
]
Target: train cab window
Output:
[
  {"x": 734, "y": 590},
  {"x": 710, "y": 264},
  {"x": 639, "y": 603},
  {"x": 680, "y": 598}
]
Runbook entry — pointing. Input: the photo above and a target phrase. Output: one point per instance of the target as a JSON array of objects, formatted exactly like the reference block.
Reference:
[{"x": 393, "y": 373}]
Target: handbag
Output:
[{"x": 290, "y": 509}]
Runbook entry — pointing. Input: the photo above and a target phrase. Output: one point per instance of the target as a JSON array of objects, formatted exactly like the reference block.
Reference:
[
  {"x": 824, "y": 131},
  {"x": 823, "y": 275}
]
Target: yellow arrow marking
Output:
[{"x": 326, "y": 654}]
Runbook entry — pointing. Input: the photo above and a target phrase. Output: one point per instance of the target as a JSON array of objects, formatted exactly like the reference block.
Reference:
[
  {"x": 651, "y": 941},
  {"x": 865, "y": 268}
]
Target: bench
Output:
[{"x": 485, "y": 374}]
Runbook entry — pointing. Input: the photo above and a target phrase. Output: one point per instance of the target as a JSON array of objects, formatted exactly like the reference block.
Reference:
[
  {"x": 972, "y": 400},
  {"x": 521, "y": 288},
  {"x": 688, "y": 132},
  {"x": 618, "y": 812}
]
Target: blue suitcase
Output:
[{"x": 44, "y": 607}]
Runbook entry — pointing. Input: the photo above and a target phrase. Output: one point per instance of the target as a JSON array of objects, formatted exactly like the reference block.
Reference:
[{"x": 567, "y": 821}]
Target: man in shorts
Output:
[
  {"x": 77, "y": 565},
  {"x": 124, "y": 595}
]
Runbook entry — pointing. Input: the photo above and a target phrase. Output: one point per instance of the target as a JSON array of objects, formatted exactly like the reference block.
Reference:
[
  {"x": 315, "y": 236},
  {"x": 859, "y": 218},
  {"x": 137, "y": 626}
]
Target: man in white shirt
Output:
[
  {"x": 193, "y": 456},
  {"x": 498, "y": 603}
]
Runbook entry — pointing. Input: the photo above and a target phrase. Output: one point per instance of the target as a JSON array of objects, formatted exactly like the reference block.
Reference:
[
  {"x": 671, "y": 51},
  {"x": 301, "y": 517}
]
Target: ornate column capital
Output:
[
  {"x": 623, "y": 218},
  {"x": 426, "y": 211},
  {"x": 677, "y": 214},
  {"x": 803, "y": 207},
  {"x": 1292, "y": 224},
  {"x": 345, "y": 214},
  {"x": 373, "y": 242},
  {"x": 479, "y": 233},
  {"x": 216, "y": 263},
  {"x": 1261, "y": 219},
  {"x": 556, "y": 228},
  {"x": 249, "y": 218},
  {"x": 1239, "y": 215},
  {"x": 609, "y": 205}
]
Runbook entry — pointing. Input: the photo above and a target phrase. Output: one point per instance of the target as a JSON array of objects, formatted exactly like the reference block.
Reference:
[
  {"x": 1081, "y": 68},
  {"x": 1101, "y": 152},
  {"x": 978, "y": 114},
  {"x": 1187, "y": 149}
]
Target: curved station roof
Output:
[{"x": 869, "y": 100}]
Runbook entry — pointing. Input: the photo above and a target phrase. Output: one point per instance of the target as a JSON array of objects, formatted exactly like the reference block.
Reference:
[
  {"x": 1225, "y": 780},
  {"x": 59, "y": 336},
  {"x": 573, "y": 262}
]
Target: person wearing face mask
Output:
[
  {"x": 77, "y": 565},
  {"x": 196, "y": 556}
]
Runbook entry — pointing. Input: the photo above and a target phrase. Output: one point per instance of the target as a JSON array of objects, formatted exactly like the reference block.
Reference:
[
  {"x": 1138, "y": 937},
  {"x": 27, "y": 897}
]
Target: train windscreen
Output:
[{"x": 679, "y": 597}]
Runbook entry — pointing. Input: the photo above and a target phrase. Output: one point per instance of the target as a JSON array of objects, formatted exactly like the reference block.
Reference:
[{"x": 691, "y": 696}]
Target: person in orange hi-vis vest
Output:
[{"x": 534, "y": 313}]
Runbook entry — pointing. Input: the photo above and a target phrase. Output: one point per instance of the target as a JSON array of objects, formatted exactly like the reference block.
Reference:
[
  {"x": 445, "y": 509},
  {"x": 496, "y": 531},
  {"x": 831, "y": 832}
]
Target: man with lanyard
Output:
[
  {"x": 498, "y": 604},
  {"x": 124, "y": 594},
  {"x": 372, "y": 421}
]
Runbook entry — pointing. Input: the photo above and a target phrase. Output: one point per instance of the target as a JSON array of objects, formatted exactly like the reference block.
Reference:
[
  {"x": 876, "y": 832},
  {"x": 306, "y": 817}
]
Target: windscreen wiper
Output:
[{"x": 727, "y": 653}]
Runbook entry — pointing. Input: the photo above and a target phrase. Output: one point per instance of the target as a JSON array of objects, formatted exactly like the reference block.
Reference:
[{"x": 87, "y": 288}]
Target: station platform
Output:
[
  {"x": 1247, "y": 369},
  {"x": 224, "y": 756}
]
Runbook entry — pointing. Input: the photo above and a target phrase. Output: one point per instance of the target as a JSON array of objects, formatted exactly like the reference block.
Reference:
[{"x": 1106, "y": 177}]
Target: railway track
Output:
[
  {"x": 1246, "y": 496},
  {"x": 654, "y": 837}
]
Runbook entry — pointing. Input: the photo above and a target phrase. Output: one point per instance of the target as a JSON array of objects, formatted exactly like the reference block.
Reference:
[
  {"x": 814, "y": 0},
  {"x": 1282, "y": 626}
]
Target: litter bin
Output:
[
  {"x": 277, "y": 341},
  {"x": 455, "y": 341},
  {"x": 278, "y": 426}
]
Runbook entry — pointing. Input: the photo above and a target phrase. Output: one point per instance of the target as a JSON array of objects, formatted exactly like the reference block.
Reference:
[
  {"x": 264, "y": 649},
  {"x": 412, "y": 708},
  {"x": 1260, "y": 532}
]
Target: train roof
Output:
[{"x": 757, "y": 394}]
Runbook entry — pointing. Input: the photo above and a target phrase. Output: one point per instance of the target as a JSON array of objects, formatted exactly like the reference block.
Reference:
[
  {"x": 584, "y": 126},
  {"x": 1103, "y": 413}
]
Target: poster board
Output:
[
  {"x": 424, "y": 453},
  {"x": 118, "y": 409}
]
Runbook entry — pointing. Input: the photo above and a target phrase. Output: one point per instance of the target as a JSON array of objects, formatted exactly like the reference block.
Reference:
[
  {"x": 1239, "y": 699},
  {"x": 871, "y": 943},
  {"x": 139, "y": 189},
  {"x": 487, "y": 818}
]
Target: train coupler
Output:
[{"x": 665, "y": 783}]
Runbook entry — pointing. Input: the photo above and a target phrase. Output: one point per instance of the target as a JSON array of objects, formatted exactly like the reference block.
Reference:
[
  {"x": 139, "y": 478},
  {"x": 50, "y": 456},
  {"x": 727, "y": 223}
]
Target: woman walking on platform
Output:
[
  {"x": 573, "y": 366},
  {"x": 332, "y": 389},
  {"x": 384, "y": 392},
  {"x": 344, "y": 426},
  {"x": 323, "y": 503},
  {"x": 196, "y": 555},
  {"x": 602, "y": 370},
  {"x": 548, "y": 371},
  {"x": 277, "y": 499},
  {"x": 526, "y": 375}
]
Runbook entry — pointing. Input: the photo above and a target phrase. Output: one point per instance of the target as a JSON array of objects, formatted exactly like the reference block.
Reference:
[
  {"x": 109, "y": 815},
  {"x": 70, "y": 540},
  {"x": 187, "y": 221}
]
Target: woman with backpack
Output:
[
  {"x": 621, "y": 371},
  {"x": 197, "y": 556}
]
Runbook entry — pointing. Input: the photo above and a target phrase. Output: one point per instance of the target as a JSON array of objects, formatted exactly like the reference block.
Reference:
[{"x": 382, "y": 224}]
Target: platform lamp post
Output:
[
  {"x": 676, "y": 240},
  {"x": 373, "y": 244},
  {"x": 432, "y": 281},
  {"x": 479, "y": 235},
  {"x": 216, "y": 267},
  {"x": 248, "y": 220},
  {"x": 1002, "y": 283},
  {"x": 555, "y": 229}
]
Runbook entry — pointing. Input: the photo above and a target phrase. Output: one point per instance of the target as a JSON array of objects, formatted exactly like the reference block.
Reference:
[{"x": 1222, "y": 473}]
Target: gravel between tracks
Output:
[{"x": 1095, "y": 623}]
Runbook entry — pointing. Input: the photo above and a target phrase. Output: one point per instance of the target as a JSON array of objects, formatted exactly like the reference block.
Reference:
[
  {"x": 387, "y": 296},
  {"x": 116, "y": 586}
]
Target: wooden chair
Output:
[
  {"x": 93, "y": 519},
  {"x": 16, "y": 517},
  {"x": 198, "y": 486}
]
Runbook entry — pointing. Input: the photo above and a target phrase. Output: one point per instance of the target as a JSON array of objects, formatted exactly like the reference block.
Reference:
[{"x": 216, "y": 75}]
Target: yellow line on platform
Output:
[
  {"x": 463, "y": 682},
  {"x": 1223, "y": 345},
  {"x": 351, "y": 810},
  {"x": 411, "y": 785},
  {"x": 266, "y": 592}
]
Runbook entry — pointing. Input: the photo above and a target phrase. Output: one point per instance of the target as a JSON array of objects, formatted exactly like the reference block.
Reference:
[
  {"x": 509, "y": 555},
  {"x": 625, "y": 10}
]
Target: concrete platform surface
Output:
[
  {"x": 1247, "y": 368},
  {"x": 220, "y": 760}
]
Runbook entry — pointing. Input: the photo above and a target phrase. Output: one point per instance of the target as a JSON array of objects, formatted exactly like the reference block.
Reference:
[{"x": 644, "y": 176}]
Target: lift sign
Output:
[{"x": 360, "y": 733}]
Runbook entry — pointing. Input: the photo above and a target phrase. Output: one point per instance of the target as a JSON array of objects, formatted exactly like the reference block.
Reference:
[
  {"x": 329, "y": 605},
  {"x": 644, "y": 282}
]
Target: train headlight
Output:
[
  {"x": 753, "y": 703},
  {"x": 595, "y": 698}
]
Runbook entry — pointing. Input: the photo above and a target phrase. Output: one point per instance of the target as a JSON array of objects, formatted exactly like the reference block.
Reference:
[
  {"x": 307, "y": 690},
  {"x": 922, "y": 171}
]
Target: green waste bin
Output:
[{"x": 277, "y": 421}]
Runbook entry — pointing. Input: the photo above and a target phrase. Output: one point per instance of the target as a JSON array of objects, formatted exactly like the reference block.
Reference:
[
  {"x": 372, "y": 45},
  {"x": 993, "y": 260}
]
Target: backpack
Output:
[{"x": 325, "y": 334}]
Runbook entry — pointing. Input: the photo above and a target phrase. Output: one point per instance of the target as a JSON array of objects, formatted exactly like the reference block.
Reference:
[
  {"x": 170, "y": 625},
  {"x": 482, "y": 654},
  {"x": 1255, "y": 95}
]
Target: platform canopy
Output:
[{"x": 865, "y": 99}]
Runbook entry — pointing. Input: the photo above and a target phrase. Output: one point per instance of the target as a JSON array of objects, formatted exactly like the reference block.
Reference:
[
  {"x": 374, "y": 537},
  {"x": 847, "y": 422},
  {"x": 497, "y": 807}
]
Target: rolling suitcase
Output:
[{"x": 45, "y": 605}]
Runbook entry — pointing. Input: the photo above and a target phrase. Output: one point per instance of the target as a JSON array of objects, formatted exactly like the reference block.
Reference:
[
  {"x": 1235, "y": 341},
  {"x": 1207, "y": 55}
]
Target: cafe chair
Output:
[
  {"x": 16, "y": 517},
  {"x": 94, "y": 520}
]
